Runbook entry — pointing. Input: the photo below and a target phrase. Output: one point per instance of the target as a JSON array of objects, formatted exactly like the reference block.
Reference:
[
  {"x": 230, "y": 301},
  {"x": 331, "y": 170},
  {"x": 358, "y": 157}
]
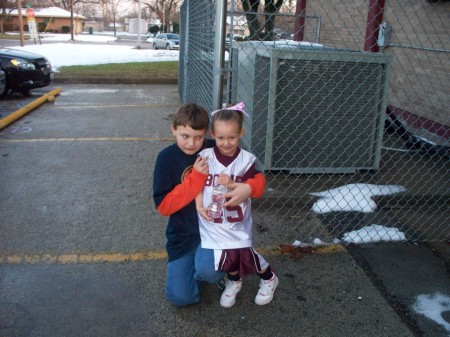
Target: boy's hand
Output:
[
  {"x": 201, "y": 165},
  {"x": 224, "y": 179},
  {"x": 204, "y": 213},
  {"x": 239, "y": 192}
]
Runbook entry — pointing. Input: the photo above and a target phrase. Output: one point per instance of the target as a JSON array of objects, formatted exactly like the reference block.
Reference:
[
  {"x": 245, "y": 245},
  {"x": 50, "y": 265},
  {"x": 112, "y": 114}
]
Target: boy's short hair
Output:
[{"x": 192, "y": 115}]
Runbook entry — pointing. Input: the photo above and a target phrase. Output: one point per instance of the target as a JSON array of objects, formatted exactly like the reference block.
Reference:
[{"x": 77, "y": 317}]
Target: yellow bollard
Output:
[{"x": 4, "y": 122}]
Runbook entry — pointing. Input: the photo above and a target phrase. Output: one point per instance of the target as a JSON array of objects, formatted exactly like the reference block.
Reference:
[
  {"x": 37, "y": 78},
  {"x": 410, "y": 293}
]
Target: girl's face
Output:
[{"x": 227, "y": 134}]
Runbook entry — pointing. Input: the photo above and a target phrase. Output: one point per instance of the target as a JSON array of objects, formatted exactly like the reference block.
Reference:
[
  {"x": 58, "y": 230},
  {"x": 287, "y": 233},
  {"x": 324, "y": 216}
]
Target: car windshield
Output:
[{"x": 173, "y": 36}]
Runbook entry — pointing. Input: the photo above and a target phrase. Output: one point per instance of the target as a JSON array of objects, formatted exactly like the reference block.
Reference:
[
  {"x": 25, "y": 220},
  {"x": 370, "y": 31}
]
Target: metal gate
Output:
[{"x": 349, "y": 111}]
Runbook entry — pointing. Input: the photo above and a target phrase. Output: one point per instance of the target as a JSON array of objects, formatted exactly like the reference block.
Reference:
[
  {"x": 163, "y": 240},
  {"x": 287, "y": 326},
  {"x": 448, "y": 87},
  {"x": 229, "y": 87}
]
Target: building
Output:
[{"x": 51, "y": 19}]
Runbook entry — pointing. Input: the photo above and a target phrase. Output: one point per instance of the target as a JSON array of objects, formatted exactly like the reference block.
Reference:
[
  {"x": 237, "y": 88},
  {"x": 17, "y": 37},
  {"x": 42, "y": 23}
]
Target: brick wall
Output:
[{"x": 419, "y": 81}]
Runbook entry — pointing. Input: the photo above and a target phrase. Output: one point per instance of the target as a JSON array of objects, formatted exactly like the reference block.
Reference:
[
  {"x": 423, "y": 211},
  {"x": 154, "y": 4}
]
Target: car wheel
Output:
[
  {"x": 168, "y": 46},
  {"x": 155, "y": 46}
]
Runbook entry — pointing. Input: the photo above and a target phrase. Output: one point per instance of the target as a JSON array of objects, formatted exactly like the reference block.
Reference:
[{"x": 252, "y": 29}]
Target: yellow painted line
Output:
[
  {"x": 73, "y": 258},
  {"x": 117, "y": 257},
  {"x": 330, "y": 249},
  {"x": 100, "y": 139}
]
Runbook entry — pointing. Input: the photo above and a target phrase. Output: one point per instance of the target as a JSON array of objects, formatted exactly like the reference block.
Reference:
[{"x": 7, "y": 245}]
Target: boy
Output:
[{"x": 179, "y": 175}]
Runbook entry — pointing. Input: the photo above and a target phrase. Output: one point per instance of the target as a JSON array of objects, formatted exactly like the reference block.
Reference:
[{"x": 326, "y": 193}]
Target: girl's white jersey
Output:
[{"x": 234, "y": 229}]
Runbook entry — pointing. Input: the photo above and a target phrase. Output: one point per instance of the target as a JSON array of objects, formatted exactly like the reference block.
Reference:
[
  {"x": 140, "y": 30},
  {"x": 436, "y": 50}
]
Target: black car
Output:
[
  {"x": 2, "y": 82},
  {"x": 24, "y": 70}
]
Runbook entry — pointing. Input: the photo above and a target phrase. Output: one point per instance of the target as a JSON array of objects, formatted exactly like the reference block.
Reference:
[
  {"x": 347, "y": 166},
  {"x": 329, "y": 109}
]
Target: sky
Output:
[{"x": 353, "y": 197}]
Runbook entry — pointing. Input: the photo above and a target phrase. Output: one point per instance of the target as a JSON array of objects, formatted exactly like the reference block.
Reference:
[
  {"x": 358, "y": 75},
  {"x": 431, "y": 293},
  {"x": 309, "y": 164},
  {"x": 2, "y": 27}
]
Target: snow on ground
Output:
[
  {"x": 432, "y": 306},
  {"x": 373, "y": 233},
  {"x": 68, "y": 54},
  {"x": 357, "y": 198},
  {"x": 352, "y": 197},
  {"x": 367, "y": 234}
]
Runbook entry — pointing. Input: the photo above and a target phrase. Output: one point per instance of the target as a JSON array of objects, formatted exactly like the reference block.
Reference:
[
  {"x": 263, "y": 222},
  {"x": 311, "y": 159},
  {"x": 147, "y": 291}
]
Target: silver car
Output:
[{"x": 166, "y": 41}]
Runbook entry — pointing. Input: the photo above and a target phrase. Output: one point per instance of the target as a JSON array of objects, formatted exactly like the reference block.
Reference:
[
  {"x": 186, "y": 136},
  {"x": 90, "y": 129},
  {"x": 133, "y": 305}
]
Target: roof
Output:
[{"x": 49, "y": 12}]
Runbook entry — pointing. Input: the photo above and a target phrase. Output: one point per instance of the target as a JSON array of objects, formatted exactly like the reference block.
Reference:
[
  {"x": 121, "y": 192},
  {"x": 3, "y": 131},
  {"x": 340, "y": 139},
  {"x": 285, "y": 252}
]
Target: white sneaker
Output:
[
  {"x": 266, "y": 290},
  {"x": 232, "y": 288}
]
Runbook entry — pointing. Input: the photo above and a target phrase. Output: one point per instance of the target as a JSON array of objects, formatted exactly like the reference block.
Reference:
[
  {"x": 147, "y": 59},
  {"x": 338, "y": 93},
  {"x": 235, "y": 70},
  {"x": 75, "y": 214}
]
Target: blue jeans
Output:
[{"x": 184, "y": 276}]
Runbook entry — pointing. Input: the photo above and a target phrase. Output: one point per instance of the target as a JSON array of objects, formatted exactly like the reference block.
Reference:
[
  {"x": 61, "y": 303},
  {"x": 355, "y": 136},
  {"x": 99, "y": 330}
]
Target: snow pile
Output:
[
  {"x": 367, "y": 234},
  {"x": 68, "y": 54},
  {"x": 373, "y": 233},
  {"x": 432, "y": 306},
  {"x": 352, "y": 197}
]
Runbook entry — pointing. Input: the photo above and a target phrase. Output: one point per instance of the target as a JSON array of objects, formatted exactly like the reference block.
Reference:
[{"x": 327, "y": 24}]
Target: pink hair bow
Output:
[{"x": 239, "y": 107}]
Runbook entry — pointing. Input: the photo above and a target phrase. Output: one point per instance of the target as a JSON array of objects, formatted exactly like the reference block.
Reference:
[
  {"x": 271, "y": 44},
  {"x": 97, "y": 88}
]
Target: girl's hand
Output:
[
  {"x": 201, "y": 165},
  {"x": 204, "y": 213}
]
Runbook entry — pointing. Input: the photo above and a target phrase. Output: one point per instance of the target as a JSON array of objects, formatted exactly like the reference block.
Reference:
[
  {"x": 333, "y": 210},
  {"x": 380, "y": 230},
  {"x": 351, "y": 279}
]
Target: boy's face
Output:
[{"x": 190, "y": 141}]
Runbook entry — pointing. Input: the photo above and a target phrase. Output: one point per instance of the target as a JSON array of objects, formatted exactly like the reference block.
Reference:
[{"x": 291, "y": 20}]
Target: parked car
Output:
[
  {"x": 24, "y": 70},
  {"x": 166, "y": 41},
  {"x": 2, "y": 82}
]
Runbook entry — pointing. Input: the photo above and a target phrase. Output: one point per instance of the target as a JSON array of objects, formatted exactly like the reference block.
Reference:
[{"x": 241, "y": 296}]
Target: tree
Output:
[
  {"x": 6, "y": 7},
  {"x": 153, "y": 29},
  {"x": 164, "y": 10},
  {"x": 114, "y": 12}
]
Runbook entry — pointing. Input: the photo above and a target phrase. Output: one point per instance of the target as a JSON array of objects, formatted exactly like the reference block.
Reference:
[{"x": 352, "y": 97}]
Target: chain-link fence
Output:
[{"x": 349, "y": 111}]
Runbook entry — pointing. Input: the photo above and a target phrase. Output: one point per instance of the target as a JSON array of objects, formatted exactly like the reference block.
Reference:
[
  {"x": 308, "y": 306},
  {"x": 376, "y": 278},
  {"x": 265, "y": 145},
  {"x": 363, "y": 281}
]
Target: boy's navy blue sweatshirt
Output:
[{"x": 172, "y": 168}]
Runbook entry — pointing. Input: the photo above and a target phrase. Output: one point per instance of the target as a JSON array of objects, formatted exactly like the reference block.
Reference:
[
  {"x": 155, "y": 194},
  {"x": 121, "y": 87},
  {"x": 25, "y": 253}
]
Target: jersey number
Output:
[{"x": 234, "y": 214}]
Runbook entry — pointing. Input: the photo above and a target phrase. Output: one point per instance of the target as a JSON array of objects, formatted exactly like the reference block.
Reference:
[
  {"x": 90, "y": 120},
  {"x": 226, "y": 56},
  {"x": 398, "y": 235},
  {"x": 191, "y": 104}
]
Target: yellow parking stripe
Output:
[
  {"x": 82, "y": 257},
  {"x": 101, "y": 139},
  {"x": 117, "y": 257}
]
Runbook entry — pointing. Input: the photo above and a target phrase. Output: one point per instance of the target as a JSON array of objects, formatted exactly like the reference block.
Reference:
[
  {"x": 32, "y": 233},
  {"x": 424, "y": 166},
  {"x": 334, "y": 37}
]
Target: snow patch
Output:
[
  {"x": 352, "y": 197},
  {"x": 373, "y": 233},
  {"x": 432, "y": 306}
]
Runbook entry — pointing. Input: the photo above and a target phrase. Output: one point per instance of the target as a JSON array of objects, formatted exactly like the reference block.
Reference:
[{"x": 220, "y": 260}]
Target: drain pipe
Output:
[
  {"x": 219, "y": 52},
  {"x": 374, "y": 20},
  {"x": 300, "y": 16},
  {"x": 4, "y": 122}
]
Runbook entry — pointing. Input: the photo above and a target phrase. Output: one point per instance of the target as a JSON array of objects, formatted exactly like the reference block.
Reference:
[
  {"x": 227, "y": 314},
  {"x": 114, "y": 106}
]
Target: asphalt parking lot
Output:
[{"x": 82, "y": 247}]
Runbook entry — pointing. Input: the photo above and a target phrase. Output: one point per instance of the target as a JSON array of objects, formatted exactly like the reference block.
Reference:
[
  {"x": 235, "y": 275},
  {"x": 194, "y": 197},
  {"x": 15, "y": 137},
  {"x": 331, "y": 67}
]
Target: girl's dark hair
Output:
[
  {"x": 228, "y": 115},
  {"x": 193, "y": 115}
]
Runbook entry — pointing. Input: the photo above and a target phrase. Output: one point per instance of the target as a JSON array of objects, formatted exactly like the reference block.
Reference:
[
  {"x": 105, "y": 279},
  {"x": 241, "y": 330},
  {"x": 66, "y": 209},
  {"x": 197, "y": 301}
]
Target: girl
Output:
[{"x": 228, "y": 230}]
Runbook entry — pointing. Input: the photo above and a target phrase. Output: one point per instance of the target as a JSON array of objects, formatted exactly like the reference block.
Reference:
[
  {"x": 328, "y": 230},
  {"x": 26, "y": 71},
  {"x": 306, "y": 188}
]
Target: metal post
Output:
[
  {"x": 300, "y": 16},
  {"x": 219, "y": 52},
  {"x": 374, "y": 19},
  {"x": 185, "y": 54},
  {"x": 139, "y": 25}
]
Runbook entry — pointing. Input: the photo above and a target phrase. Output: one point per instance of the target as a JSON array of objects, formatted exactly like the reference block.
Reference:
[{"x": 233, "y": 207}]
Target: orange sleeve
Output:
[
  {"x": 257, "y": 184},
  {"x": 182, "y": 194}
]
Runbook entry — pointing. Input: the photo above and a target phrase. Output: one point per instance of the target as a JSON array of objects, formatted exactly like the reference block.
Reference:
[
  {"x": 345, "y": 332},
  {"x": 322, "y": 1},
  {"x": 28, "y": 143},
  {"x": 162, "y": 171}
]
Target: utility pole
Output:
[
  {"x": 19, "y": 12},
  {"x": 71, "y": 20},
  {"x": 139, "y": 25}
]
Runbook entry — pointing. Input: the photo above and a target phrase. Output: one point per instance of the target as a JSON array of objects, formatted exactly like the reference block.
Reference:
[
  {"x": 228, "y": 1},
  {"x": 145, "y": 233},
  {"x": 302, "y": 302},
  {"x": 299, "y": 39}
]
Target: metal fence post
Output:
[{"x": 219, "y": 48}]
